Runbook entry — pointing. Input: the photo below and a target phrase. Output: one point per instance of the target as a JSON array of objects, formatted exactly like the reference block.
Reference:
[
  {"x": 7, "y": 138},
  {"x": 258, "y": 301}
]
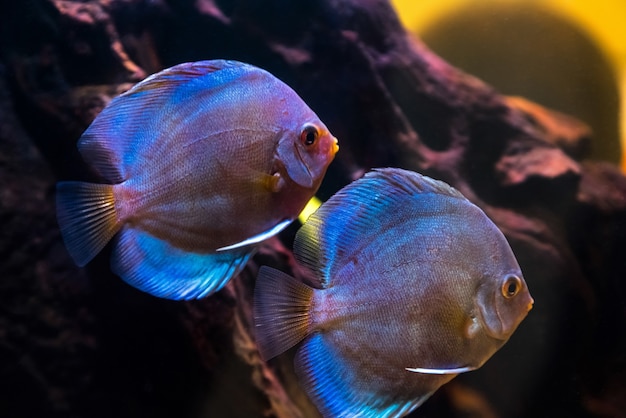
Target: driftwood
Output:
[{"x": 81, "y": 343}]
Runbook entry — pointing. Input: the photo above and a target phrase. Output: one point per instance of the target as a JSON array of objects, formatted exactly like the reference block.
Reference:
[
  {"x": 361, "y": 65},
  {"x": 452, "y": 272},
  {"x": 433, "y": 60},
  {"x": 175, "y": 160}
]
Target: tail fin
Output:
[
  {"x": 87, "y": 218},
  {"x": 281, "y": 311}
]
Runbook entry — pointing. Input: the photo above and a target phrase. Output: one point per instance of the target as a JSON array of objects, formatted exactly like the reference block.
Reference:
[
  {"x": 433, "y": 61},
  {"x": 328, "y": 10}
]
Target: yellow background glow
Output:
[
  {"x": 603, "y": 20},
  {"x": 311, "y": 206}
]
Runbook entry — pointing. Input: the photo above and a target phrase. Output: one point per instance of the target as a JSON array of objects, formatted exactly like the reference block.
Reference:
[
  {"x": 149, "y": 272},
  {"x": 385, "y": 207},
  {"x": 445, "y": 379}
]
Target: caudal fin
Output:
[
  {"x": 87, "y": 218},
  {"x": 281, "y": 311}
]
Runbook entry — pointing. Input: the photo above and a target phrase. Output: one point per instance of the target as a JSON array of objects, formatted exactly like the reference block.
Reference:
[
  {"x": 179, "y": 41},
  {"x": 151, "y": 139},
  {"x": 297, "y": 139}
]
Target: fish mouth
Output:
[{"x": 335, "y": 147}]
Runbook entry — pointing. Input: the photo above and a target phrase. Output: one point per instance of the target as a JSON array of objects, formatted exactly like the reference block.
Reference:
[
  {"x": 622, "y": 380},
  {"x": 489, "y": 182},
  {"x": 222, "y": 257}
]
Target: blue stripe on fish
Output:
[{"x": 154, "y": 266}]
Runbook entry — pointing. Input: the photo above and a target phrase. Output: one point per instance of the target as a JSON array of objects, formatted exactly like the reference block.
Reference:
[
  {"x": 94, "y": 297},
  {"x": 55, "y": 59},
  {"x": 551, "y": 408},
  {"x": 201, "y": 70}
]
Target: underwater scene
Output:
[{"x": 322, "y": 208}]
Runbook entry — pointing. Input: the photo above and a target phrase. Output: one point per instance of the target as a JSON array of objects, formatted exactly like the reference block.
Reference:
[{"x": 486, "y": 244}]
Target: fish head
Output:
[
  {"x": 503, "y": 299},
  {"x": 306, "y": 152},
  {"x": 489, "y": 295},
  {"x": 482, "y": 272},
  {"x": 504, "y": 304},
  {"x": 480, "y": 288}
]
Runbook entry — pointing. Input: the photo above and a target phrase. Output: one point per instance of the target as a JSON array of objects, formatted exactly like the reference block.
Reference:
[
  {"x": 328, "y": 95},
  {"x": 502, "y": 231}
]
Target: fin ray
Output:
[
  {"x": 87, "y": 218},
  {"x": 156, "y": 267},
  {"x": 281, "y": 311},
  {"x": 336, "y": 388},
  {"x": 112, "y": 142}
]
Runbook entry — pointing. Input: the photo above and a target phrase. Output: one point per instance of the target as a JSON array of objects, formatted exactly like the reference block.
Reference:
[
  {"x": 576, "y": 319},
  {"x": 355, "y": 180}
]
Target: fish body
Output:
[
  {"x": 413, "y": 285},
  {"x": 201, "y": 161}
]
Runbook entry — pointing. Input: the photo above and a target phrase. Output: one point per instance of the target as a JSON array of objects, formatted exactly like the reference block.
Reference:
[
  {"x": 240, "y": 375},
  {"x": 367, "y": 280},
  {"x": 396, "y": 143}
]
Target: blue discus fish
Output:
[
  {"x": 200, "y": 163},
  {"x": 414, "y": 284}
]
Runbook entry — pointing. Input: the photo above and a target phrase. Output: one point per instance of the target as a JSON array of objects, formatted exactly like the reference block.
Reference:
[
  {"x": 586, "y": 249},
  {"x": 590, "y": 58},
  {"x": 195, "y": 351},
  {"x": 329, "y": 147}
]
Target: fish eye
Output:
[
  {"x": 511, "y": 286},
  {"x": 309, "y": 135}
]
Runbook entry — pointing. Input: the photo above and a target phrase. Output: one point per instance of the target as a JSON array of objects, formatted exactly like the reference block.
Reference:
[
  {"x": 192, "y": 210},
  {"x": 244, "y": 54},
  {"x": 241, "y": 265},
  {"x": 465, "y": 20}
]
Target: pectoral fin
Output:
[{"x": 273, "y": 183}]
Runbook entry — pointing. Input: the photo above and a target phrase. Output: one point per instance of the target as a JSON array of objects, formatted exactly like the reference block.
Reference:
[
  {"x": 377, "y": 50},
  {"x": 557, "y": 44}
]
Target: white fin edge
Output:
[
  {"x": 260, "y": 237},
  {"x": 441, "y": 371}
]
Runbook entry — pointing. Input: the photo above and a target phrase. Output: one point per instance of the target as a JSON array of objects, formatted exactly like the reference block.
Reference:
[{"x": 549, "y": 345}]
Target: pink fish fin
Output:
[
  {"x": 259, "y": 237},
  {"x": 156, "y": 267},
  {"x": 340, "y": 388},
  {"x": 281, "y": 311},
  {"x": 289, "y": 155},
  {"x": 87, "y": 218},
  {"x": 130, "y": 123}
]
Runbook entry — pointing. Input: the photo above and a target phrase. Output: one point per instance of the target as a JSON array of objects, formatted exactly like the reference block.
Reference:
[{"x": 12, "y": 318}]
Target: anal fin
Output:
[
  {"x": 338, "y": 387},
  {"x": 156, "y": 267}
]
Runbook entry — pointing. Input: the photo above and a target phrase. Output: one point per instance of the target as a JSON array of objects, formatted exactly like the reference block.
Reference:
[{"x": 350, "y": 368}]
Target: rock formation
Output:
[{"x": 81, "y": 343}]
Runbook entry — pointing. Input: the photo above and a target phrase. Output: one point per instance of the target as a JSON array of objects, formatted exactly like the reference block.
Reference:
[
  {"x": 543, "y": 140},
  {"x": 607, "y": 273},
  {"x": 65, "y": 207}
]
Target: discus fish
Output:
[
  {"x": 201, "y": 162},
  {"x": 413, "y": 285}
]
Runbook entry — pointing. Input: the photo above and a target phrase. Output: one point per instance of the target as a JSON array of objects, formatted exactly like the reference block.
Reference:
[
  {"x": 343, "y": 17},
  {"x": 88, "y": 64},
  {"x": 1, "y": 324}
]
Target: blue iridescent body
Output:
[
  {"x": 413, "y": 285},
  {"x": 200, "y": 163}
]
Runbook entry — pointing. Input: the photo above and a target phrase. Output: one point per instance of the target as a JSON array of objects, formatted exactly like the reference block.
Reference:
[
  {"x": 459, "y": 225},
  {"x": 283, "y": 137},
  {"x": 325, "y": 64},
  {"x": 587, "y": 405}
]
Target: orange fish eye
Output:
[
  {"x": 309, "y": 135},
  {"x": 511, "y": 286}
]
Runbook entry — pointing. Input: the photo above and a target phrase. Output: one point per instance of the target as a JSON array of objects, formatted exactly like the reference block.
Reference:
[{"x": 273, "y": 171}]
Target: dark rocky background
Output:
[{"x": 81, "y": 343}]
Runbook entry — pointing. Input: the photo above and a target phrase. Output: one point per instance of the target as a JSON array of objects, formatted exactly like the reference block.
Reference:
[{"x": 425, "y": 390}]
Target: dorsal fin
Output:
[
  {"x": 111, "y": 141},
  {"x": 177, "y": 75},
  {"x": 349, "y": 219}
]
